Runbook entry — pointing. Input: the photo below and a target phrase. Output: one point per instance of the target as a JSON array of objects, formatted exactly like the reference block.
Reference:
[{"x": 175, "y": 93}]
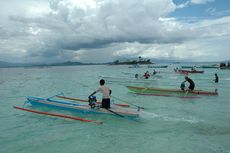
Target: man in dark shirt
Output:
[{"x": 191, "y": 83}]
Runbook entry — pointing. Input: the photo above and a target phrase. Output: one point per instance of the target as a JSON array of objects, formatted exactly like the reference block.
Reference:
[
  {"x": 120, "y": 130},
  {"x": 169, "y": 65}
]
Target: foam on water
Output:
[{"x": 150, "y": 115}]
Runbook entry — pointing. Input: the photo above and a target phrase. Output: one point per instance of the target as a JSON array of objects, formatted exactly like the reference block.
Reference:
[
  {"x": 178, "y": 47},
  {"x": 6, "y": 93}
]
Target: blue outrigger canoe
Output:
[{"x": 80, "y": 108}]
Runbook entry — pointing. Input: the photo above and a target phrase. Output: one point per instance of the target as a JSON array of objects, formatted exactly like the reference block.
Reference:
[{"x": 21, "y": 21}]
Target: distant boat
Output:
[
  {"x": 187, "y": 71},
  {"x": 215, "y": 66},
  {"x": 189, "y": 67},
  {"x": 224, "y": 66},
  {"x": 128, "y": 80},
  {"x": 135, "y": 66},
  {"x": 157, "y": 66}
]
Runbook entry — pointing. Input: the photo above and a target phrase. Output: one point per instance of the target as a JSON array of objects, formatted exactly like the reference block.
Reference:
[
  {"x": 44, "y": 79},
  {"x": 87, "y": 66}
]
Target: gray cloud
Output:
[{"x": 67, "y": 31}]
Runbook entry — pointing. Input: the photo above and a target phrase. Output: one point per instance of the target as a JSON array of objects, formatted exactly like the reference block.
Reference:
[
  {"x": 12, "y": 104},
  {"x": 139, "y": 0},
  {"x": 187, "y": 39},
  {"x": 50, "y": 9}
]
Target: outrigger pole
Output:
[{"x": 58, "y": 115}]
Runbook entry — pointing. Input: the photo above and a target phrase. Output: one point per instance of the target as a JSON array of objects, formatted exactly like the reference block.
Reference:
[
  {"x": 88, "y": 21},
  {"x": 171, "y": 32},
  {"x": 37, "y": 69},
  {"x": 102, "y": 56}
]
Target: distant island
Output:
[{"x": 132, "y": 62}]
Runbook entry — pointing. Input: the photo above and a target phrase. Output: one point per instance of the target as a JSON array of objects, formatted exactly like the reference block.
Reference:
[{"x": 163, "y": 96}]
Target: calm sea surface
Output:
[{"x": 167, "y": 125}]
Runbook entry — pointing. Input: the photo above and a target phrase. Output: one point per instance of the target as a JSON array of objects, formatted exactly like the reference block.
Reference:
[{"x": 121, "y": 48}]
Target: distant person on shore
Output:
[
  {"x": 191, "y": 83},
  {"x": 216, "y": 80},
  {"x": 106, "y": 92}
]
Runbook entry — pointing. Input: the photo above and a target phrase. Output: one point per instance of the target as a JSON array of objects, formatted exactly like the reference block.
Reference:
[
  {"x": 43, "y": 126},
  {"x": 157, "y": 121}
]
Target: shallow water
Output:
[{"x": 168, "y": 124}]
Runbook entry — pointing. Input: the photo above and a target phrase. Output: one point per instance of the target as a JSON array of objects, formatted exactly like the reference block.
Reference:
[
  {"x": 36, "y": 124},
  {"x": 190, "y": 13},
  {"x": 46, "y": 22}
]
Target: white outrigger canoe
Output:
[
  {"x": 80, "y": 108},
  {"x": 128, "y": 80}
]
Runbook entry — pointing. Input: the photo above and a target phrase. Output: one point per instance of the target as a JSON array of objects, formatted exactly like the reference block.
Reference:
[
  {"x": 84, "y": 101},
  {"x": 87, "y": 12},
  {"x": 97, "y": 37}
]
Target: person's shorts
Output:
[{"x": 105, "y": 103}]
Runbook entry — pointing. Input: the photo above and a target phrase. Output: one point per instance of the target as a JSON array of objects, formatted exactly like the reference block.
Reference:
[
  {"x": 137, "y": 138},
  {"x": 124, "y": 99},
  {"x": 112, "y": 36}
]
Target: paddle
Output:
[
  {"x": 114, "y": 112},
  {"x": 139, "y": 107}
]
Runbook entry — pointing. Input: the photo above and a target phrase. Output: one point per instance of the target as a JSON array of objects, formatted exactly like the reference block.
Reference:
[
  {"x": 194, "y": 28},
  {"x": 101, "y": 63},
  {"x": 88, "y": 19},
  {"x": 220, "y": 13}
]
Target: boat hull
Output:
[{"x": 127, "y": 112}]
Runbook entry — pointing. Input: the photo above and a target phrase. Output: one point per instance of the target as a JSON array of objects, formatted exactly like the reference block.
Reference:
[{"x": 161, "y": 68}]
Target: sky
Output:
[{"x": 53, "y": 31}]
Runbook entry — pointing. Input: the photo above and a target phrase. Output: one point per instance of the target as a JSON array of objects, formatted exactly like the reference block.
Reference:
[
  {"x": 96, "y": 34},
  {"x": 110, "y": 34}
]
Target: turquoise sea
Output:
[{"x": 167, "y": 125}]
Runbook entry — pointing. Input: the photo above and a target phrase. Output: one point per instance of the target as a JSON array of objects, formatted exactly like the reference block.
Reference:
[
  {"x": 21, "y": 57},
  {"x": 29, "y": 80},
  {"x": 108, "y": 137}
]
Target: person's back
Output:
[{"x": 105, "y": 91}]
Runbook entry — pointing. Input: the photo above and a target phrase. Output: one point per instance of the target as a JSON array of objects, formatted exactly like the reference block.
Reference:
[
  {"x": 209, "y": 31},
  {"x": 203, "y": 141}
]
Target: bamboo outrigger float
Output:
[{"x": 58, "y": 115}]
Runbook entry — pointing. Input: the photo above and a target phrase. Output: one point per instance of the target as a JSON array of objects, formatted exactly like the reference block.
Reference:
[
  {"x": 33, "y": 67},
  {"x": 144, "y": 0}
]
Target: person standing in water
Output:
[
  {"x": 154, "y": 72},
  {"x": 106, "y": 92},
  {"x": 216, "y": 80}
]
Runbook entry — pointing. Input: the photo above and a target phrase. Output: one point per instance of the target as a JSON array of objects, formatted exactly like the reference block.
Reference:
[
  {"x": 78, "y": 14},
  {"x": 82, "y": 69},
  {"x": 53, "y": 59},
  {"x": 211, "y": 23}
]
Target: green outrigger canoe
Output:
[{"x": 164, "y": 92}]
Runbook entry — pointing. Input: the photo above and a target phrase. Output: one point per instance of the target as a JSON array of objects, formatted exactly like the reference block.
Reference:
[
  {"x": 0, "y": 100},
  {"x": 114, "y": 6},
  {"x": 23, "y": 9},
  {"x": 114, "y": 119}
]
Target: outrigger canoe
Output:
[
  {"x": 157, "y": 66},
  {"x": 189, "y": 67},
  {"x": 147, "y": 90},
  {"x": 128, "y": 80},
  {"x": 114, "y": 110}
]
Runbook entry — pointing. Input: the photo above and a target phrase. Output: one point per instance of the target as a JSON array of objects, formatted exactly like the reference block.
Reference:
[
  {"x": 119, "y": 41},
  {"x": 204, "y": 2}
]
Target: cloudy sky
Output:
[{"x": 106, "y": 30}]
